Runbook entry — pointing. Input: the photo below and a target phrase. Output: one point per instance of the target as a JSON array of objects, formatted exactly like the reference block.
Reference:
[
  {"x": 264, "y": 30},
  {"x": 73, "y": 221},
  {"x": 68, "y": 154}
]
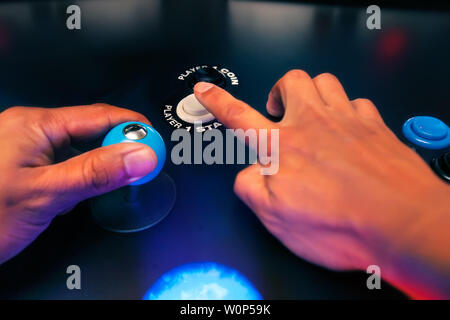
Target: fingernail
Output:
[
  {"x": 202, "y": 87},
  {"x": 139, "y": 162}
]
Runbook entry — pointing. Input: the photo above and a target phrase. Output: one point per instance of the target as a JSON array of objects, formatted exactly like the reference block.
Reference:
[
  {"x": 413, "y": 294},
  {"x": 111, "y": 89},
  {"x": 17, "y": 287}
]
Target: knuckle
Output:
[
  {"x": 363, "y": 101},
  {"x": 95, "y": 175},
  {"x": 106, "y": 109},
  {"x": 14, "y": 112},
  {"x": 327, "y": 77},
  {"x": 233, "y": 110},
  {"x": 52, "y": 118},
  {"x": 25, "y": 116},
  {"x": 296, "y": 74},
  {"x": 292, "y": 77},
  {"x": 102, "y": 107}
]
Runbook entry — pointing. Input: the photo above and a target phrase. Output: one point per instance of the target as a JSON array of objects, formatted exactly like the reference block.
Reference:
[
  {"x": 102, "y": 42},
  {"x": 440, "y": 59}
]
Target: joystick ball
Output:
[{"x": 140, "y": 133}]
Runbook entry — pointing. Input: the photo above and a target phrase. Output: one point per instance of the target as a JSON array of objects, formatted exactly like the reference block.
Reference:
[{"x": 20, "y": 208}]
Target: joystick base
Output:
[{"x": 135, "y": 208}]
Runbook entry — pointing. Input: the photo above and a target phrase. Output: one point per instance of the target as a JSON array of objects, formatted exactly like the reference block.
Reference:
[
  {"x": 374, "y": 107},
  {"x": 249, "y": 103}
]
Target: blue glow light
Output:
[{"x": 202, "y": 281}]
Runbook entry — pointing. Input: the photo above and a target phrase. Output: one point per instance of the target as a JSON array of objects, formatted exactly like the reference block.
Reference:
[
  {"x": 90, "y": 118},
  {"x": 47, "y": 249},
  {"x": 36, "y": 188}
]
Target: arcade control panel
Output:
[{"x": 150, "y": 63}]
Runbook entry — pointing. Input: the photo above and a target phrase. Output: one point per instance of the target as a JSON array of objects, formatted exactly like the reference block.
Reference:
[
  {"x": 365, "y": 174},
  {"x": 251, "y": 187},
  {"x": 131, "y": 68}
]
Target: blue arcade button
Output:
[{"x": 427, "y": 132}]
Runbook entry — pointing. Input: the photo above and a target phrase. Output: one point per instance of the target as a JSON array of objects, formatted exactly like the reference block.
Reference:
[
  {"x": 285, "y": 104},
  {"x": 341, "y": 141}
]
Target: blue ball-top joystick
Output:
[
  {"x": 144, "y": 202},
  {"x": 141, "y": 133}
]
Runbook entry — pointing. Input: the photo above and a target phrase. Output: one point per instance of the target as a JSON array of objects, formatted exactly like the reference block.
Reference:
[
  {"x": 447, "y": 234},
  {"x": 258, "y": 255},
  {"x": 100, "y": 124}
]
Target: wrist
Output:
[{"x": 417, "y": 261}]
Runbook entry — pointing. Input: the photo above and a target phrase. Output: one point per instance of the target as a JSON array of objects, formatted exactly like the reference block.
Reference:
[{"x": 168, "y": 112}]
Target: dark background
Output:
[{"x": 130, "y": 52}]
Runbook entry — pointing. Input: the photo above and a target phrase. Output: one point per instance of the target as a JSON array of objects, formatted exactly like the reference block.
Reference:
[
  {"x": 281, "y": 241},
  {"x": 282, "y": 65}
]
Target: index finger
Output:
[
  {"x": 233, "y": 113},
  {"x": 83, "y": 122},
  {"x": 293, "y": 94}
]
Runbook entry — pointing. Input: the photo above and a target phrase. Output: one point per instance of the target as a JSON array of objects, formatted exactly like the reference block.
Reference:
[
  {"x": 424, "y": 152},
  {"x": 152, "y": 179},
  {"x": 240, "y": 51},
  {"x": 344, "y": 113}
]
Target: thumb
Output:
[{"x": 99, "y": 171}]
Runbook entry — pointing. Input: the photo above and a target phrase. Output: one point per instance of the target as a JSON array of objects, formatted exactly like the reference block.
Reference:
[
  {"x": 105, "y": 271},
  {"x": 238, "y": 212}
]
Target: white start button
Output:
[{"x": 191, "y": 110}]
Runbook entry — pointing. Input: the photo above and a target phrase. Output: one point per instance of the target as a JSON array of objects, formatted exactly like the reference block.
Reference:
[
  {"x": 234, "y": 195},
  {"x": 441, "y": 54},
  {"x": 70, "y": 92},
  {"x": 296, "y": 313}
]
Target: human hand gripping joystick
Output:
[
  {"x": 145, "y": 201},
  {"x": 44, "y": 176}
]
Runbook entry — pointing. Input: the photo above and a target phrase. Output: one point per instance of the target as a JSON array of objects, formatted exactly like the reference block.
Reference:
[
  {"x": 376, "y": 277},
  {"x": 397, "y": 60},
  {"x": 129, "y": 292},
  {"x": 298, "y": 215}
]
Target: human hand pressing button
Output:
[
  {"x": 348, "y": 194},
  {"x": 43, "y": 176}
]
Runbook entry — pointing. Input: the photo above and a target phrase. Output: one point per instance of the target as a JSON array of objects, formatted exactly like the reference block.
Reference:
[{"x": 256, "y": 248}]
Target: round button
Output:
[
  {"x": 193, "y": 107},
  {"x": 429, "y": 128},
  {"x": 207, "y": 74},
  {"x": 427, "y": 132},
  {"x": 191, "y": 110},
  {"x": 139, "y": 132}
]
